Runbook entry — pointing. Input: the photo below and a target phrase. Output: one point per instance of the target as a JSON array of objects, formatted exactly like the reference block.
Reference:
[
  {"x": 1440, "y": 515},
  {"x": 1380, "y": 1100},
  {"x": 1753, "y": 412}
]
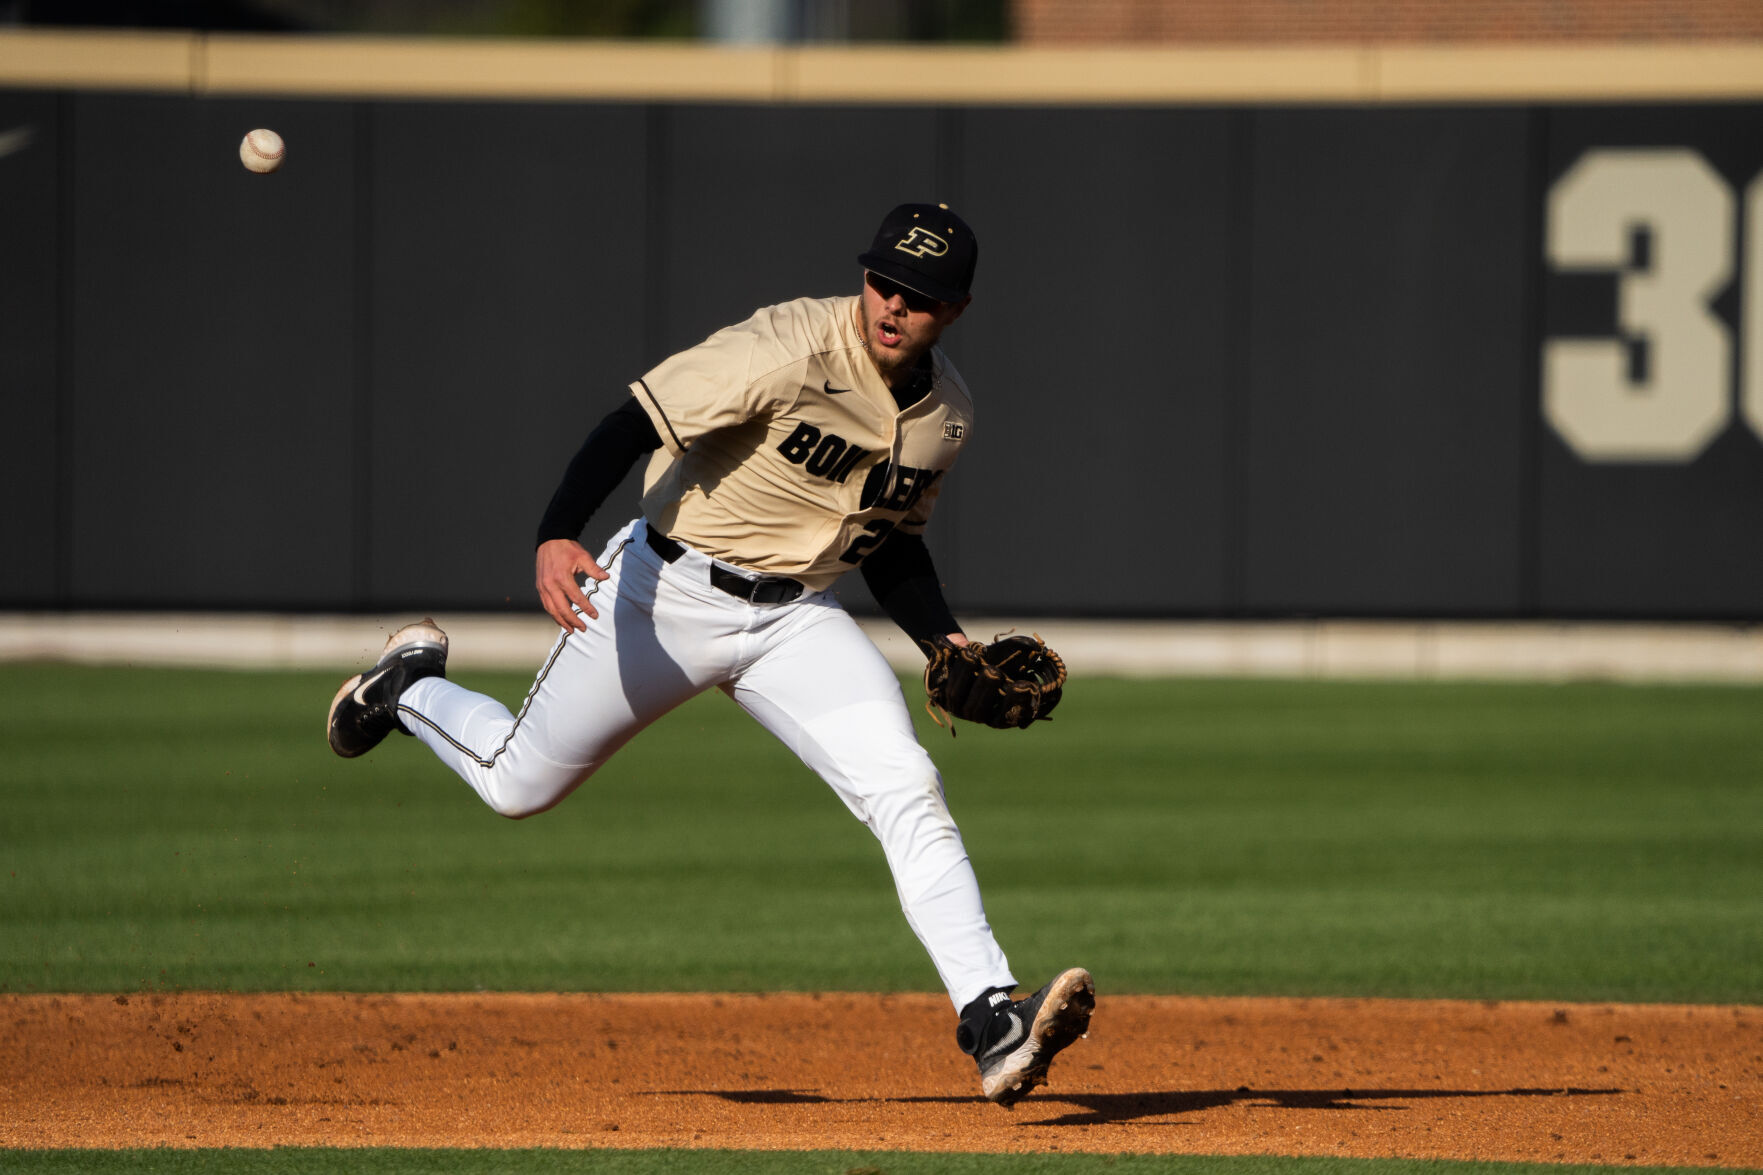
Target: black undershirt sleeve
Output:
[
  {"x": 599, "y": 465},
  {"x": 904, "y": 582},
  {"x": 899, "y": 573}
]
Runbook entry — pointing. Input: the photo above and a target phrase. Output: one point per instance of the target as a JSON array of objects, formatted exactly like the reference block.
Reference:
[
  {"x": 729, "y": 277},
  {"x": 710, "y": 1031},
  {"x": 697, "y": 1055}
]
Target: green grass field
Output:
[
  {"x": 188, "y": 829},
  {"x": 192, "y": 830}
]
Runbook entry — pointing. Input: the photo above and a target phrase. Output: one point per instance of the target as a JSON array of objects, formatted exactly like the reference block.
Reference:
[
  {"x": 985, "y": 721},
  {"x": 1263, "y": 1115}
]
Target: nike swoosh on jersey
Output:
[{"x": 832, "y": 391}]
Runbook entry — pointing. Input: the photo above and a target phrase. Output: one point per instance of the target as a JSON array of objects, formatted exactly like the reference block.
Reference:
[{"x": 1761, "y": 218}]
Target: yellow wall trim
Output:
[{"x": 388, "y": 67}]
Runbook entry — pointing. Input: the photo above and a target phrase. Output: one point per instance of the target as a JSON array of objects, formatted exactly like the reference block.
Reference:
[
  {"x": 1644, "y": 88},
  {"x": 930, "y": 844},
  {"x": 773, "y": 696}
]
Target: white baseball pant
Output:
[{"x": 664, "y": 635}]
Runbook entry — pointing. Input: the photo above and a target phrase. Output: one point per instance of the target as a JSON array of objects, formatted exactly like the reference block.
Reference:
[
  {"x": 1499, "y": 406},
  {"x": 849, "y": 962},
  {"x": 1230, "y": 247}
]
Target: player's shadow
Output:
[
  {"x": 1098, "y": 1109},
  {"x": 1105, "y": 1108}
]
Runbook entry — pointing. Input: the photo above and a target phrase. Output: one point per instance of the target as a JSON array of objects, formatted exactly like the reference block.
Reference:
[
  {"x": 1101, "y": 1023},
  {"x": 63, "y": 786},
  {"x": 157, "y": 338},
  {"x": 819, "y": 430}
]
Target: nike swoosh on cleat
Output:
[
  {"x": 368, "y": 679},
  {"x": 1011, "y": 1038}
]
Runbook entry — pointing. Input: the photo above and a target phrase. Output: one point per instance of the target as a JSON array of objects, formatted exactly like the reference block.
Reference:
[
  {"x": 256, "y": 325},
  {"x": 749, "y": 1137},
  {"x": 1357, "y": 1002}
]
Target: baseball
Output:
[{"x": 262, "y": 151}]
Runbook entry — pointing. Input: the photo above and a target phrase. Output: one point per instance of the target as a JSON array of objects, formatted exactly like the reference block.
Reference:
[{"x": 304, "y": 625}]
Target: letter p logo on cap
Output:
[{"x": 923, "y": 243}]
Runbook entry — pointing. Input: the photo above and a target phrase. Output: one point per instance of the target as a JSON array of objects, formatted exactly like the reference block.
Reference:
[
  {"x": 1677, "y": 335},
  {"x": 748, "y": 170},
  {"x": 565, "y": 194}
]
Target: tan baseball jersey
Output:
[{"x": 782, "y": 449}]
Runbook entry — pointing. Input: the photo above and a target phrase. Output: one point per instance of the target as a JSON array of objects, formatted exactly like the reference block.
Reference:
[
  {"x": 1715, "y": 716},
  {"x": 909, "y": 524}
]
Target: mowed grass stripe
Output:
[
  {"x": 296, "y": 1161},
  {"x": 190, "y": 829}
]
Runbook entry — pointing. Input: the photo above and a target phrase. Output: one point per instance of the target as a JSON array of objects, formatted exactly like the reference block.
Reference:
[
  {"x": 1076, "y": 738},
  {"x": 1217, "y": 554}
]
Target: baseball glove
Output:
[{"x": 1010, "y": 682}]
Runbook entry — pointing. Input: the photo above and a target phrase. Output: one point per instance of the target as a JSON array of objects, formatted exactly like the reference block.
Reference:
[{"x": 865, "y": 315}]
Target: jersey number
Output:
[{"x": 862, "y": 544}]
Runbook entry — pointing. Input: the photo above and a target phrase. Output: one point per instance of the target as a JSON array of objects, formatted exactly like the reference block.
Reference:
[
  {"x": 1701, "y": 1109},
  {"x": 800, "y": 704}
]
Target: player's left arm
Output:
[{"x": 903, "y": 580}]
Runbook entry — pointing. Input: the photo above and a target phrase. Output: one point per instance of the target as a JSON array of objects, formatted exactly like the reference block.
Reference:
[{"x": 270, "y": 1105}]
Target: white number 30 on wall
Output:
[{"x": 1673, "y": 405}]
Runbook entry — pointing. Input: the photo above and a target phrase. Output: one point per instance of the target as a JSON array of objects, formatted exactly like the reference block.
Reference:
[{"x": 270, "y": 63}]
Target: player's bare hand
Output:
[{"x": 561, "y": 570}]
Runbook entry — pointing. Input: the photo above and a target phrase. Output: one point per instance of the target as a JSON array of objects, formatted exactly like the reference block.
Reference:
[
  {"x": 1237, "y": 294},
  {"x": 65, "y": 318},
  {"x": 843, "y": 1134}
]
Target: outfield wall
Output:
[
  {"x": 1411, "y": 333},
  {"x": 1676, "y": 653}
]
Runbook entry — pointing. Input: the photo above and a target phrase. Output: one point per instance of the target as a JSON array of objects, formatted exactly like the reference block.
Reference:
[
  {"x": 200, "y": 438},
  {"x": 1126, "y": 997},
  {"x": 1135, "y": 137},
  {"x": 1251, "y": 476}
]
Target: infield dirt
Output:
[{"x": 1641, "y": 1084}]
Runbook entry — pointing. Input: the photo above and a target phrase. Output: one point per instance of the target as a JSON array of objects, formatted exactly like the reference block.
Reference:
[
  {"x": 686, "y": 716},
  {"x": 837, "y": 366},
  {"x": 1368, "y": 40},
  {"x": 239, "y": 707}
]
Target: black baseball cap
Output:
[{"x": 927, "y": 248}]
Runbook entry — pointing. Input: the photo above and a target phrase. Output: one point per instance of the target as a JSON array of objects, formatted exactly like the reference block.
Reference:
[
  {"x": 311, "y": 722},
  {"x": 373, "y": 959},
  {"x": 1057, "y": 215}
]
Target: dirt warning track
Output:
[{"x": 1642, "y": 1084}]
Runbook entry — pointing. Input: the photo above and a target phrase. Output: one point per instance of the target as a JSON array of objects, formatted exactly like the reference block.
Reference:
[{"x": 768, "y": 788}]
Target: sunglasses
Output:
[{"x": 916, "y": 302}]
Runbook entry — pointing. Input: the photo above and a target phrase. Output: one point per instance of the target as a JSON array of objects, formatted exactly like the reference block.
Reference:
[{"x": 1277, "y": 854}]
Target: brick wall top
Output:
[
  {"x": 1108, "y": 74},
  {"x": 1139, "y": 22}
]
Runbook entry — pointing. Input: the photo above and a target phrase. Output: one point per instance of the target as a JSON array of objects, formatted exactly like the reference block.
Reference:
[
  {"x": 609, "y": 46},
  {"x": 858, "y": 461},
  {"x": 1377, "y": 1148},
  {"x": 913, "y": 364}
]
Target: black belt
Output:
[{"x": 767, "y": 589}]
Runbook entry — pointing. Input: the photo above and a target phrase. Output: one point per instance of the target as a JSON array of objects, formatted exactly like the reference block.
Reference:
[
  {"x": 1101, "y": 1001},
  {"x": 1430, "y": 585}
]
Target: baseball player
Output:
[{"x": 783, "y": 451}]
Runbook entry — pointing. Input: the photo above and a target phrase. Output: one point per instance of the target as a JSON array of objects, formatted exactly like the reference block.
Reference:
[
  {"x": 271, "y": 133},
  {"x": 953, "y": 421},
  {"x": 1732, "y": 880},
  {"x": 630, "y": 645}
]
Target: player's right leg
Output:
[
  {"x": 365, "y": 710},
  {"x": 595, "y": 691}
]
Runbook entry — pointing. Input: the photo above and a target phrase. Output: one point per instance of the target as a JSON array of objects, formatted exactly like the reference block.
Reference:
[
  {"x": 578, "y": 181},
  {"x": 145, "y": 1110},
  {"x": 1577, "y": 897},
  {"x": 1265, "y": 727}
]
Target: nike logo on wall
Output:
[
  {"x": 16, "y": 140},
  {"x": 832, "y": 391}
]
